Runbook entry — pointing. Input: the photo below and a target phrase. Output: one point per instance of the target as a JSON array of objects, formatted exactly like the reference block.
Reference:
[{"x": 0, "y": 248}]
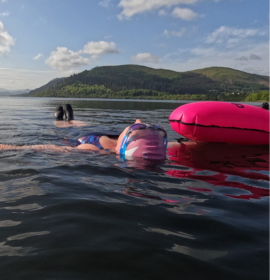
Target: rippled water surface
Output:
[{"x": 201, "y": 214}]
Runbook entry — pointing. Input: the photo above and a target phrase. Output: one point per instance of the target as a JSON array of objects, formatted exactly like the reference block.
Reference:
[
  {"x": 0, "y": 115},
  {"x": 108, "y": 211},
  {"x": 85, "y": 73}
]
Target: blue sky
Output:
[{"x": 44, "y": 39}]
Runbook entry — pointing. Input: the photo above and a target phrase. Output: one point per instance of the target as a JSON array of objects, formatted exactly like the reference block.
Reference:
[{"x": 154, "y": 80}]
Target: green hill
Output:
[
  {"x": 232, "y": 76},
  {"x": 135, "y": 81}
]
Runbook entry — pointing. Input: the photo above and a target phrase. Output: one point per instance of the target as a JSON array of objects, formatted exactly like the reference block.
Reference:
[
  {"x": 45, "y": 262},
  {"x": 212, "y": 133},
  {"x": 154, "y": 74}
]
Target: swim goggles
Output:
[{"x": 140, "y": 126}]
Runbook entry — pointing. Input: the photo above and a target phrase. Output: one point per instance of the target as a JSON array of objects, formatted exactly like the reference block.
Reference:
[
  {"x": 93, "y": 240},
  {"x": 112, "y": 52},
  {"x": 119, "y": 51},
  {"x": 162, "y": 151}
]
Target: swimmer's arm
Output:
[{"x": 55, "y": 148}]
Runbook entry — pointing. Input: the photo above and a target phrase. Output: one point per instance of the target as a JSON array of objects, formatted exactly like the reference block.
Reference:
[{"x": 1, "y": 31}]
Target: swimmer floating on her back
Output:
[{"x": 137, "y": 140}]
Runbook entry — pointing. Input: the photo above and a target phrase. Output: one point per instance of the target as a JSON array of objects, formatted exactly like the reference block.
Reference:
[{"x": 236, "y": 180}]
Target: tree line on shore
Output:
[
  {"x": 138, "y": 82},
  {"x": 100, "y": 91}
]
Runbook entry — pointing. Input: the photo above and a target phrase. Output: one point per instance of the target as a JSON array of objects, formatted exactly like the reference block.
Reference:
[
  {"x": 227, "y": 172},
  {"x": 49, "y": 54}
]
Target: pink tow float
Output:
[{"x": 214, "y": 121}]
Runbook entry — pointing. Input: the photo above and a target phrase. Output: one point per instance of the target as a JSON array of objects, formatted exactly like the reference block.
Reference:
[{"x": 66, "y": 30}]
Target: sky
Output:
[{"x": 45, "y": 39}]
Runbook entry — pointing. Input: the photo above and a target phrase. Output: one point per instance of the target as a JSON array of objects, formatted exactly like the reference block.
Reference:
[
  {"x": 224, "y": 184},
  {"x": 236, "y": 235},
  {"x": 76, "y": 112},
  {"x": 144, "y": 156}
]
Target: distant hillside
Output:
[
  {"x": 232, "y": 76},
  {"x": 134, "y": 81},
  {"x": 7, "y": 92},
  {"x": 52, "y": 83}
]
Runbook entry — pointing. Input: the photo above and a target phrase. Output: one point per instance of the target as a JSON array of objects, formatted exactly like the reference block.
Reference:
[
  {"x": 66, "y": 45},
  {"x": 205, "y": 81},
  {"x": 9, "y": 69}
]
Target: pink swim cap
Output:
[{"x": 146, "y": 143}]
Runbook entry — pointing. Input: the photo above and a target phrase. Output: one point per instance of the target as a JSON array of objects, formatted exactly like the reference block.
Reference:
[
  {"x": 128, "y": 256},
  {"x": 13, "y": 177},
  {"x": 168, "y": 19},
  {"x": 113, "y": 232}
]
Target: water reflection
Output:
[
  {"x": 10, "y": 251},
  {"x": 248, "y": 165},
  {"x": 15, "y": 189},
  {"x": 167, "y": 233},
  {"x": 135, "y": 192},
  {"x": 27, "y": 235},
  {"x": 24, "y": 207},
  {"x": 141, "y": 164},
  {"x": 9, "y": 223},
  {"x": 204, "y": 255}
]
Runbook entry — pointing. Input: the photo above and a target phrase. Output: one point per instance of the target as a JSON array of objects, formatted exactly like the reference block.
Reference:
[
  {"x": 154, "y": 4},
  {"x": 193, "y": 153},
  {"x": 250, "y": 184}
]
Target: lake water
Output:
[{"x": 201, "y": 214}]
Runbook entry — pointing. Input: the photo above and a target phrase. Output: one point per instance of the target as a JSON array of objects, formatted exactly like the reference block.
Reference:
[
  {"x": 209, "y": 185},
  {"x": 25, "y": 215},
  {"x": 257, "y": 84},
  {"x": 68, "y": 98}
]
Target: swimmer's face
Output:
[{"x": 121, "y": 136}]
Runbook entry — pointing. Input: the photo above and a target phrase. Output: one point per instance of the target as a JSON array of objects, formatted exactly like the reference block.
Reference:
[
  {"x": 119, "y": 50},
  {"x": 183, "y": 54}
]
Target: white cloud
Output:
[
  {"x": 105, "y": 3},
  {"x": 132, "y": 7},
  {"x": 98, "y": 48},
  {"x": 64, "y": 59},
  {"x": 4, "y": 14},
  {"x": 174, "y": 33},
  {"x": 38, "y": 56},
  {"x": 231, "y": 35},
  {"x": 6, "y": 41},
  {"x": 254, "y": 56},
  {"x": 203, "y": 52},
  {"x": 107, "y": 37},
  {"x": 236, "y": 58},
  {"x": 145, "y": 58},
  {"x": 242, "y": 58},
  {"x": 162, "y": 12},
  {"x": 185, "y": 14}
]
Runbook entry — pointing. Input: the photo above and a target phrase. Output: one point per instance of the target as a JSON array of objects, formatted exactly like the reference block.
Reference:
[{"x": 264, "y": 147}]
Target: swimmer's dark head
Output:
[
  {"x": 68, "y": 112},
  {"x": 58, "y": 113}
]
